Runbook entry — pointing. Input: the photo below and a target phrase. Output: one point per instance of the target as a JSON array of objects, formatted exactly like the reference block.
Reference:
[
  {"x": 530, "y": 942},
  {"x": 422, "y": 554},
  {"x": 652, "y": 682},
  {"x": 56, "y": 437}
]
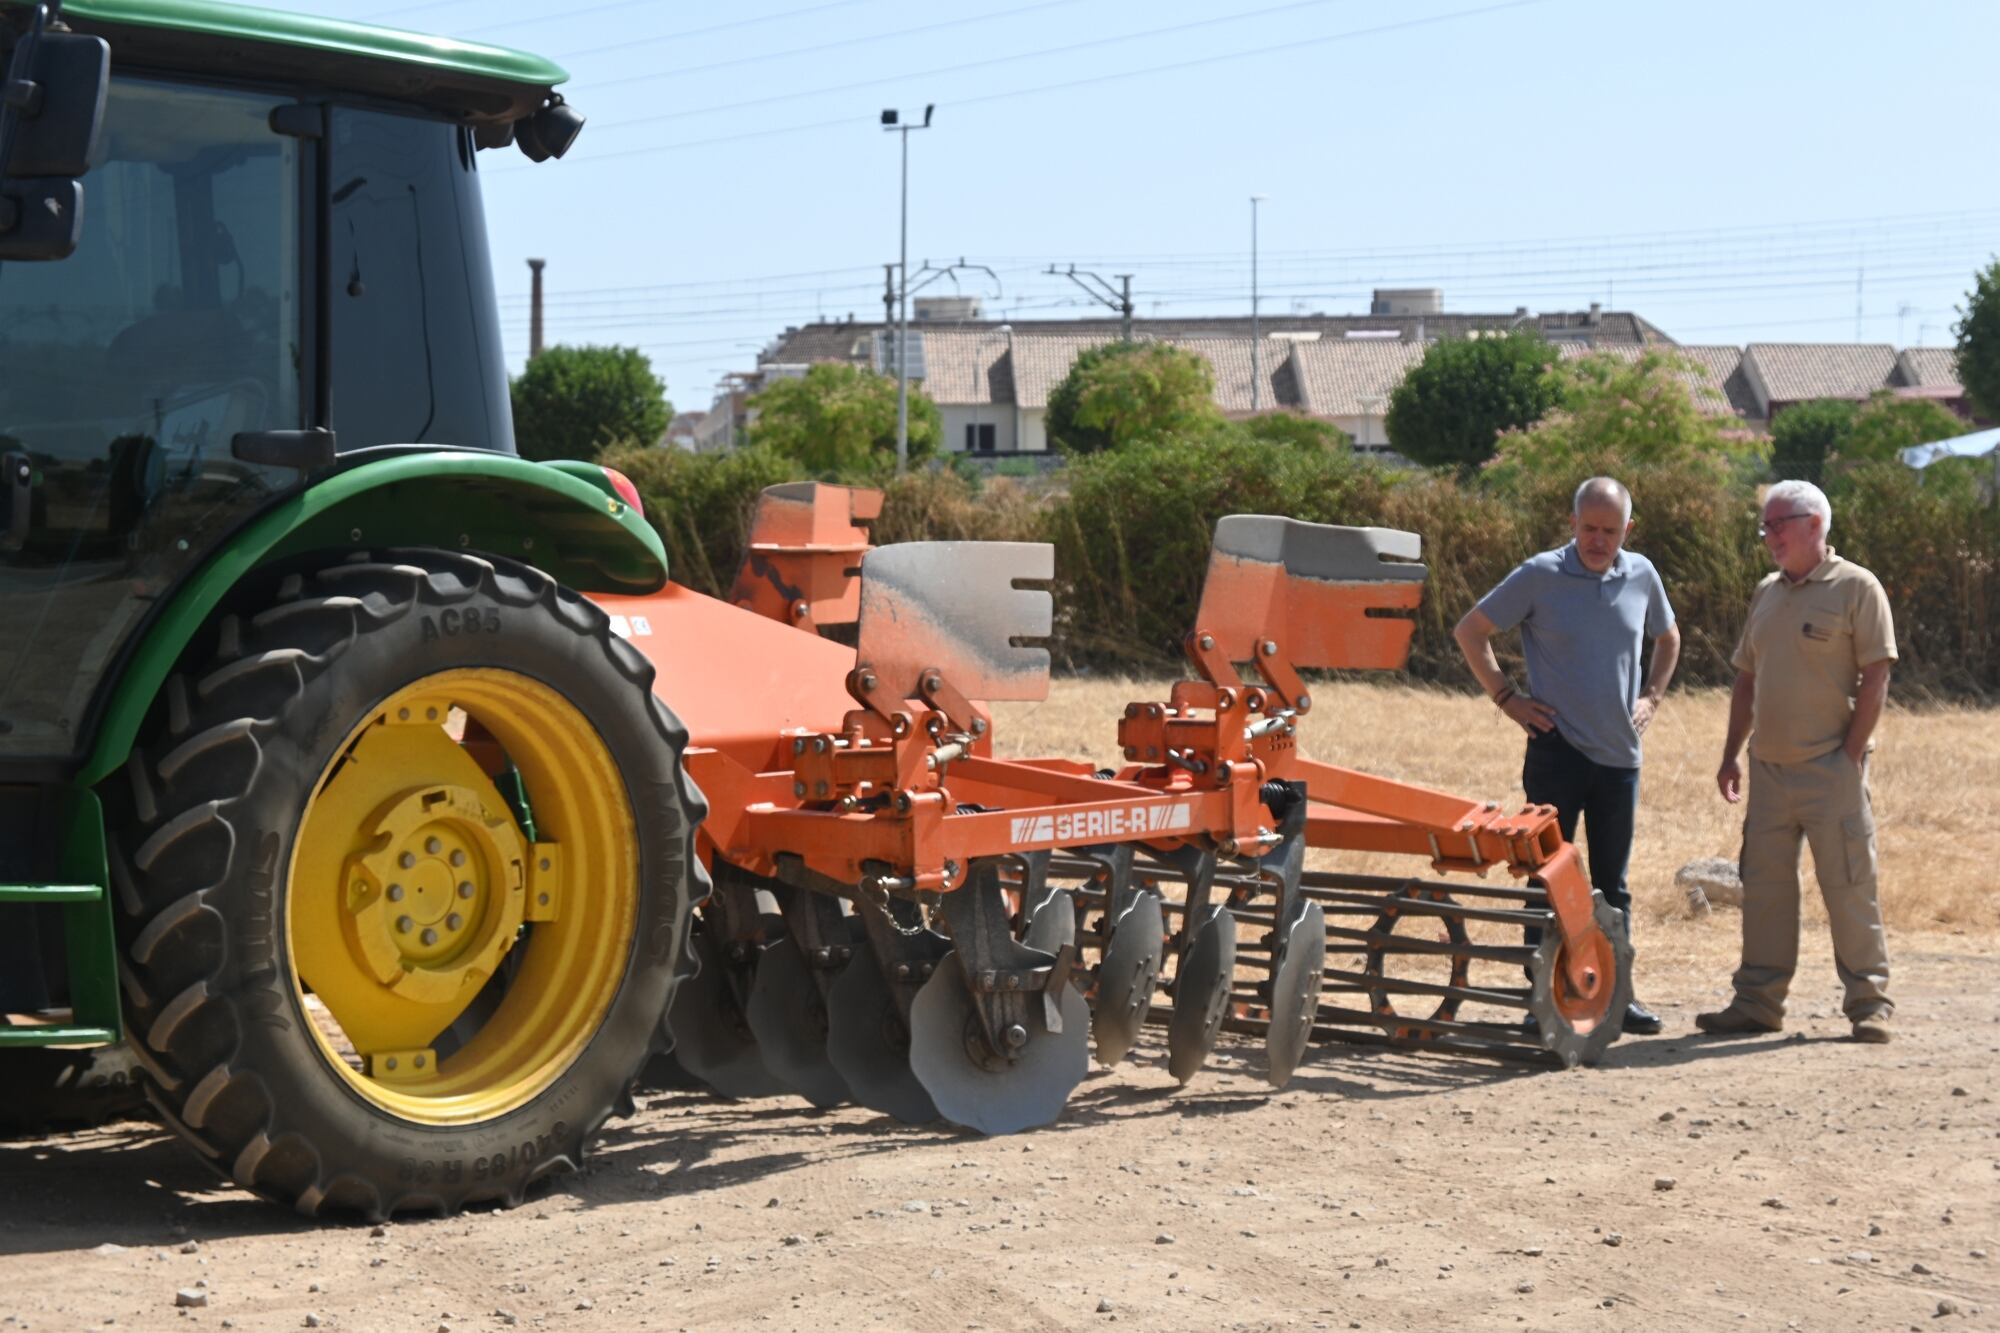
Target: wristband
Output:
[{"x": 1506, "y": 693}]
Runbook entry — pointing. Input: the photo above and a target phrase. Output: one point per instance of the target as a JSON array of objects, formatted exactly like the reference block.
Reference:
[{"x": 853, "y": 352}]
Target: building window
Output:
[{"x": 979, "y": 437}]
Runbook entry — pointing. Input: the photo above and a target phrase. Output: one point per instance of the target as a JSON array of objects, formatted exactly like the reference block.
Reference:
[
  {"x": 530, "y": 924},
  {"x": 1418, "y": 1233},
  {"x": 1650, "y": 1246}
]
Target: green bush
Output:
[
  {"x": 701, "y": 504},
  {"x": 1133, "y": 532},
  {"x": 1126, "y": 393},
  {"x": 1804, "y": 437},
  {"x": 1451, "y": 408},
  {"x": 839, "y": 420},
  {"x": 1297, "y": 430},
  {"x": 1935, "y": 543},
  {"x": 1132, "y": 528},
  {"x": 1642, "y": 413},
  {"x": 573, "y": 402}
]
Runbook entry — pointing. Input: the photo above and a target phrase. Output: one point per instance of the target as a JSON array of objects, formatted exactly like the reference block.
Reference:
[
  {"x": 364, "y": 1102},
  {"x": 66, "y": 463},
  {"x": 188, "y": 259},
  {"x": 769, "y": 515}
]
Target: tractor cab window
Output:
[
  {"x": 415, "y": 353},
  {"x": 124, "y": 372}
]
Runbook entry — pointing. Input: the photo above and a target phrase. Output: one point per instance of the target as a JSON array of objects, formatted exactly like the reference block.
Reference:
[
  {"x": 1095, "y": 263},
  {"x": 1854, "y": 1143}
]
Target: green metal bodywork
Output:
[
  {"x": 82, "y": 890},
  {"x": 493, "y": 503},
  {"x": 333, "y": 37}
]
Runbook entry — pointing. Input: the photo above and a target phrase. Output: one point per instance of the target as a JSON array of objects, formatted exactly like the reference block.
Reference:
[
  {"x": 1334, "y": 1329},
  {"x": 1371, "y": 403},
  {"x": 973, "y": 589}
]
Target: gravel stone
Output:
[{"x": 189, "y": 1298}]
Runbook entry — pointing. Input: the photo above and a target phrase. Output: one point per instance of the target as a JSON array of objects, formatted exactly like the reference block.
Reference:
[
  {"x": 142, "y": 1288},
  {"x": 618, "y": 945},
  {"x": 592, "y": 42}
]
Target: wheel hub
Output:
[{"x": 435, "y": 893}]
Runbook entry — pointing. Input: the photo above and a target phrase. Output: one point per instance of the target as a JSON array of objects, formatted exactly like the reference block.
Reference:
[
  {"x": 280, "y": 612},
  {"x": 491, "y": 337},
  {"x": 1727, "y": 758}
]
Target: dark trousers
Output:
[{"x": 1602, "y": 798}]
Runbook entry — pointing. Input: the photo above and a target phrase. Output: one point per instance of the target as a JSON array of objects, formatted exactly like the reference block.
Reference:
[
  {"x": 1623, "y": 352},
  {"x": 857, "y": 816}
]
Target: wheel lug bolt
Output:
[
  {"x": 433, "y": 846},
  {"x": 1016, "y": 1036},
  {"x": 395, "y": 893},
  {"x": 454, "y": 921},
  {"x": 404, "y": 925},
  {"x": 429, "y": 936},
  {"x": 458, "y": 858},
  {"x": 406, "y": 860},
  {"x": 465, "y": 888}
]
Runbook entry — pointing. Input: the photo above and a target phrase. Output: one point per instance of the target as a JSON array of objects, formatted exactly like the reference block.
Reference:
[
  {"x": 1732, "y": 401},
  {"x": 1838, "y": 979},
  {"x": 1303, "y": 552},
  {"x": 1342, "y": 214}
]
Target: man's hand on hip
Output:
[{"x": 1531, "y": 715}]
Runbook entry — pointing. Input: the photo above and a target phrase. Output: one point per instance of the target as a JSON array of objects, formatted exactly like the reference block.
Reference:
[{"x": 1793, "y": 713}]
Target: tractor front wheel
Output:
[{"x": 404, "y": 878}]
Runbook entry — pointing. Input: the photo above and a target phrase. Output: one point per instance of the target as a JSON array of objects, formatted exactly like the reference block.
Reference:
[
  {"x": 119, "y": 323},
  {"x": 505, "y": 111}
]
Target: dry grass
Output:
[{"x": 1934, "y": 773}]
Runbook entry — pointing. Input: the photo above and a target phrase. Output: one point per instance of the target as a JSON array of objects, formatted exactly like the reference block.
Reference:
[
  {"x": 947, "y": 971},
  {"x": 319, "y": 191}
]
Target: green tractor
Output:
[{"x": 332, "y": 814}]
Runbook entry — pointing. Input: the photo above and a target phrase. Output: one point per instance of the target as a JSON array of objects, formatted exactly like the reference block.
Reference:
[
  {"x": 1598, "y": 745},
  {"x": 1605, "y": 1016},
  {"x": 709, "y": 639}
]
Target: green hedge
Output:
[{"x": 1131, "y": 529}]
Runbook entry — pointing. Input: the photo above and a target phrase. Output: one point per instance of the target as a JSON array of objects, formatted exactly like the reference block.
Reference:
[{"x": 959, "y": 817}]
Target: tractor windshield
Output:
[{"x": 124, "y": 372}]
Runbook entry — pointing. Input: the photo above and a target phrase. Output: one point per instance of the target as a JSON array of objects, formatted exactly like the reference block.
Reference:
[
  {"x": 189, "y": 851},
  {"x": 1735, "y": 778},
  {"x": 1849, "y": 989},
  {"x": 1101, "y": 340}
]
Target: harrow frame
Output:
[{"x": 901, "y": 809}]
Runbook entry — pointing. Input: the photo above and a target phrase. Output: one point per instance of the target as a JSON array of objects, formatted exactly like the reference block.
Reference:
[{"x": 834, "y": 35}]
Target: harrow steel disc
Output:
[
  {"x": 1127, "y": 976},
  {"x": 868, "y": 1045},
  {"x": 1574, "y": 1029},
  {"x": 1201, "y": 994},
  {"x": 1053, "y": 924},
  {"x": 1295, "y": 988},
  {"x": 788, "y": 1016},
  {"x": 973, "y": 1086},
  {"x": 712, "y": 1036}
]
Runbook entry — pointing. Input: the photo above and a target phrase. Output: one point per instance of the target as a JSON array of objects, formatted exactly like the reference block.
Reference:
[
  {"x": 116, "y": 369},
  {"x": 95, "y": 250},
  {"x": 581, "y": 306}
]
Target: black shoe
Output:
[{"x": 1640, "y": 1020}]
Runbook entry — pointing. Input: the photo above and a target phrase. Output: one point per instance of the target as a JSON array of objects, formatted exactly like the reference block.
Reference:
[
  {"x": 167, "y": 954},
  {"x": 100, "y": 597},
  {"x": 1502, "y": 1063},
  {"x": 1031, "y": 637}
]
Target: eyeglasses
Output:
[{"x": 1770, "y": 525}]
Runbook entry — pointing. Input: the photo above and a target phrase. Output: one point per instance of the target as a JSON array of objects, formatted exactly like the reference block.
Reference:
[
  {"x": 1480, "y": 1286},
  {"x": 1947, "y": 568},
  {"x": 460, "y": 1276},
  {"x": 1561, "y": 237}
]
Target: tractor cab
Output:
[{"x": 277, "y": 261}]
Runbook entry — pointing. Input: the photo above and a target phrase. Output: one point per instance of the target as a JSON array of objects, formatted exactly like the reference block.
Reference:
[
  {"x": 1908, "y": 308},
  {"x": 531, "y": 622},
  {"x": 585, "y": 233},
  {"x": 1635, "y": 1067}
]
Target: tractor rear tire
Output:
[{"x": 338, "y": 981}]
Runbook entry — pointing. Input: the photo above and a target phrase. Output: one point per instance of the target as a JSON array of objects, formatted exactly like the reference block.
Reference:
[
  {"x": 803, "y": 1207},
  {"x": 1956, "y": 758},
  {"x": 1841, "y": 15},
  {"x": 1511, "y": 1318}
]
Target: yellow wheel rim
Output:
[{"x": 413, "y": 886}]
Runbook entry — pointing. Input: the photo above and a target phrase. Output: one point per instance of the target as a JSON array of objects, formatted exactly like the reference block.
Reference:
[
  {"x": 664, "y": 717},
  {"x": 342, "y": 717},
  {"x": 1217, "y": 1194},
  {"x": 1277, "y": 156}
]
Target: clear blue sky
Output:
[{"x": 1724, "y": 169}]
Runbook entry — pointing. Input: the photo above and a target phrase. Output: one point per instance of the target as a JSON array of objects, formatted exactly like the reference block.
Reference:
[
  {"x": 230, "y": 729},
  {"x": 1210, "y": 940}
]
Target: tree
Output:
[
  {"x": 1618, "y": 414},
  {"x": 1886, "y": 425},
  {"x": 1451, "y": 408},
  {"x": 571, "y": 402},
  {"x": 839, "y": 419},
  {"x": 1978, "y": 331},
  {"x": 1803, "y": 437},
  {"x": 1120, "y": 393}
]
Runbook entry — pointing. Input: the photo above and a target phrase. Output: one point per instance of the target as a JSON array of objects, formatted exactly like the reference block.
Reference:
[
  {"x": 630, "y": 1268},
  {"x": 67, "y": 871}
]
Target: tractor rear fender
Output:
[{"x": 561, "y": 519}]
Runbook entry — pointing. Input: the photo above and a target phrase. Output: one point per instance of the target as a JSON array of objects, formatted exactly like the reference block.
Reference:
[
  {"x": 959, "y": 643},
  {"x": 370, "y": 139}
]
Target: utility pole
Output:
[
  {"x": 1120, "y": 300},
  {"x": 535, "y": 309},
  {"x": 892, "y": 121},
  {"x": 1256, "y": 334}
]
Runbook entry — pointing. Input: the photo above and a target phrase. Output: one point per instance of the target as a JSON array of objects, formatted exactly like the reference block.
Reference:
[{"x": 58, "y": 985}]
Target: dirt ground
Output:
[
  {"x": 1796, "y": 1181},
  {"x": 1814, "y": 1184}
]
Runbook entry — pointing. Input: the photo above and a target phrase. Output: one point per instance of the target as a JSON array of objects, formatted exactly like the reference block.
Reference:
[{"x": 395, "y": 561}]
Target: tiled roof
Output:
[
  {"x": 1350, "y": 377},
  {"x": 1230, "y": 358},
  {"x": 1041, "y": 362},
  {"x": 1929, "y": 368},
  {"x": 965, "y": 367},
  {"x": 851, "y": 341},
  {"x": 1798, "y": 372}
]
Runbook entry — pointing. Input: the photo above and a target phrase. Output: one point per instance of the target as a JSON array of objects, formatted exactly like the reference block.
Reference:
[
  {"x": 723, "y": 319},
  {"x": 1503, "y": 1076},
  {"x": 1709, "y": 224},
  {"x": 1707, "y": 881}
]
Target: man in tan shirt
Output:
[{"x": 1812, "y": 675}]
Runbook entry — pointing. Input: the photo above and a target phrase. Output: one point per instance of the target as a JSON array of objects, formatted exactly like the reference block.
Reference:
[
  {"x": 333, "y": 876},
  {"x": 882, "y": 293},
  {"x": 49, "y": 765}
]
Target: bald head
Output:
[
  {"x": 1603, "y": 491},
  {"x": 1601, "y": 519}
]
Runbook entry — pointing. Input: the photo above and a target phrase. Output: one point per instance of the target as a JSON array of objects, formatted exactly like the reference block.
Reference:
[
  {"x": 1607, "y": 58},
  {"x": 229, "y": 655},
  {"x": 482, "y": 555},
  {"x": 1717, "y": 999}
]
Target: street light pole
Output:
[
  {"x": 1256, "y": 334},
  {"x": 892, "y": 120}
]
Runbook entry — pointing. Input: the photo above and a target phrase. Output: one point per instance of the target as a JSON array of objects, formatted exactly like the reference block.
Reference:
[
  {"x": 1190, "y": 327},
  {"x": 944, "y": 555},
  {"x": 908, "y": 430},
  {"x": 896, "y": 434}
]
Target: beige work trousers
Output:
[{"x": 1825, "y": 802}]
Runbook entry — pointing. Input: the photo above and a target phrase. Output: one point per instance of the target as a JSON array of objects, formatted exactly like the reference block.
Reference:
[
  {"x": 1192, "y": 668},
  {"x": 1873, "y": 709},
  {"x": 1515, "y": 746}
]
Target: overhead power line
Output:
[
  {"x": 1301, "y": 43},
  {"x": 819, "y": 47},
  {"x": 987, "y": 62},
  {"x": 752, "y": 21}
]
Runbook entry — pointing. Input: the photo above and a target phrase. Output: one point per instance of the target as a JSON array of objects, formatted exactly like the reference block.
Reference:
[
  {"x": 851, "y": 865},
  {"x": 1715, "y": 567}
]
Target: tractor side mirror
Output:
[{"x": 51, "y": 118}]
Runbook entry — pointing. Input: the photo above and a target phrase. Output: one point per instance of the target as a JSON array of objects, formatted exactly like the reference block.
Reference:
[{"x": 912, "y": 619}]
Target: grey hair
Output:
[
  {"x": 1603, "y": 488},
  {"x": 1807, "y": 497}
]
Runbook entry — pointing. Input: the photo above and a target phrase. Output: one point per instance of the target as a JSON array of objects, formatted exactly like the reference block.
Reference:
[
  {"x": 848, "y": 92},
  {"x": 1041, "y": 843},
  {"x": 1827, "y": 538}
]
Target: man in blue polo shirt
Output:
[{"x": 1585, "y": 611}]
